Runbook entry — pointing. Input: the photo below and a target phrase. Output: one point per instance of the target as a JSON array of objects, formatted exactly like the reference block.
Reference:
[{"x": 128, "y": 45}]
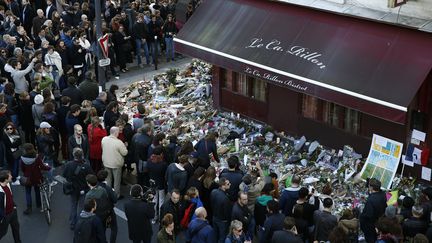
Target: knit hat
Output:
[{"x": 38, "y": 99}]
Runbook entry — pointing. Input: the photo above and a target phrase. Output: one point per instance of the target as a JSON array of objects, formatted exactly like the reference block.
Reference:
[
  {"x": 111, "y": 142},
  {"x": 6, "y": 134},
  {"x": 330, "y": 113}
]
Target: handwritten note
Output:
[{"x": 426, "y": 173}]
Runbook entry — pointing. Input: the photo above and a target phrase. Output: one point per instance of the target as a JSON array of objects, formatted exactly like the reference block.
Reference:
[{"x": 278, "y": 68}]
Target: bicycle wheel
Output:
[{"x": 47, "y": 209}]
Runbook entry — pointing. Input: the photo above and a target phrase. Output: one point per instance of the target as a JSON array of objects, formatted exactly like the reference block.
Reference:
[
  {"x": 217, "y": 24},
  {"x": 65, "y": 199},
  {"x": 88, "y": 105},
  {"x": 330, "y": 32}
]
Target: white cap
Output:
[
  {"x": 38, "y": 99},
  {"x": 45, "y": 125}
]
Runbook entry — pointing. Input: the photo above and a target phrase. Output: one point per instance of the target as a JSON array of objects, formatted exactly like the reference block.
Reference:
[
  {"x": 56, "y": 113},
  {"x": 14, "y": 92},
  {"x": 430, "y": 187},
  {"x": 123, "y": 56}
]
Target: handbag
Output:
[{"x": 24, "y": 181}]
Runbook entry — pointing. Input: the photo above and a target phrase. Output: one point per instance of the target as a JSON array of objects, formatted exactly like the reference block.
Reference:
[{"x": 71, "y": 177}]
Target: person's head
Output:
[
  {"x": 147, "y": 129},
  {"x": 114, "y": 131},
  {"x": 24, "y": 96},
  {"x": 141, "y": 109},
  {"x": 328, "y": 203},
  {"x": 417, "y": 211},
  {"x": 233, "y": 162},
  {"x": 212, "y": 136},
  {"x": 201, "y": 213},
  {"x": 242, "y": 198},
  {"x": 390, "y": 211},
  {"x": 5, "y": 176},
  {"x": 92, "y": 180},
  {"x": 9, "y": 89},
  {"x": 49, "y": 108},
  {"x": 272, "y": 206},
  {"x": 224, "y": 184},
  {"x": 3, "y": 108},
  {"x": 236, "y": 228},
  {"x": 90, "y": 205},
  {"x": 184, "y": 159},
  {"x": 89, "y": 75},
  {"x": 75, "y": 110},
  {"x": 78, "y": 130},
  {"x": 102, "y": 175},
  {"x": 95, "y": 121},
  {"x": 408, "y": 202},
  {"x": 169, "y": 18},
  {"x": 327, "y": 189},
  {"x": 289, "y": 224},
  {"x": 268, "y": 189},
  {"x": 427, "y": 193},
  {"x": 388, "y": 226},
  {"x": 347, "y": 214},
  {"x": 10, "y": 128},
  {"x": 374, "y": 185},
  {"x": 45, "y": 127},
  {"x": 65, "y": 100},
  {"x": 303, "y": 193},
  {"x": 295, "y": 181},
  {"x": 136, "y": 191},
  {"x": 120, "y": 123},
  {"x": 192, "y": 192},
  {"x": 158, "y": 138},
  {"x": 71, "y": 80},
  {"x": 420, "y": 238},
  {"x": 209, "y": 177},
  {"x": 112, "y": 106},
  {"x": 198, "y": 173},
  {"x": 168, "y": 222},
  {"x": 77, "y": 154},
  {"x": 113, "y": 88},
  {"x": 338, "y": 235},
  {"x": 175, "y": 196}
]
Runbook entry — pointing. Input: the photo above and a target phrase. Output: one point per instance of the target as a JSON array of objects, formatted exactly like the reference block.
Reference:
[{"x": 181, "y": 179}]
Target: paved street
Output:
[{"x": 34, "y": 228}]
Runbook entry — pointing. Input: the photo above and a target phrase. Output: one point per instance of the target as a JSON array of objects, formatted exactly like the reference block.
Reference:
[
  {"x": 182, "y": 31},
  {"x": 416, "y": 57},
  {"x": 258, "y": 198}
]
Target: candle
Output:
[
  {"x": 245, "y": 159},
  {"x": 244, "y": 136},
  {"x": 277, "y": 140},
  {"x": 238, "y": 116},
  {"x": 232, "y": 114},
  {"x": 237, "y": 144}
]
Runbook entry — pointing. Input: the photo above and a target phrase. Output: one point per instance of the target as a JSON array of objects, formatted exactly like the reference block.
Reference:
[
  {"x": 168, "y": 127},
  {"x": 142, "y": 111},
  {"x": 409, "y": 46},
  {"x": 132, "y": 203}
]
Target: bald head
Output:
[
  {"x": 114, "y": 131},
  {"x": 201, "y": 212}
]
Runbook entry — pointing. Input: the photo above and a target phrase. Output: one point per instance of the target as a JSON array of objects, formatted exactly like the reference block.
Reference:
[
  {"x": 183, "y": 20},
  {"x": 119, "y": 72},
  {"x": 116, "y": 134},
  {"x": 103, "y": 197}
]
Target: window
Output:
[
  {"x": 246, "y": 86},
  {"x": 223, "y": 77},
  {"x": 331, "y": 114}
]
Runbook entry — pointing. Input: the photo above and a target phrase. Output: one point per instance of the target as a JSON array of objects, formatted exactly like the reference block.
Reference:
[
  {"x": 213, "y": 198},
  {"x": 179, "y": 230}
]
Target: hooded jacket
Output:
[
  {"x": 32, "y": 167},
  {"x": 200, "y": 234},
  {"x": 288, "y": 200}
]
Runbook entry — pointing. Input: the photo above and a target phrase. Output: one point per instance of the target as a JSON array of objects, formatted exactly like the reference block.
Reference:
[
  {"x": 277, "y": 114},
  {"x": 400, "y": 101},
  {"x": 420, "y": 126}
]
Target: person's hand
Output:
[{"x": 34, "y": 59}]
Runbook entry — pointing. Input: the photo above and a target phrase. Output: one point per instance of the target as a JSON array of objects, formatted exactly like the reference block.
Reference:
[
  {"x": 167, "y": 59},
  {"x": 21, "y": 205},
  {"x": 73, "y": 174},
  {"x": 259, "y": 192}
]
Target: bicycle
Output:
[{"x": 45, "y": 193}]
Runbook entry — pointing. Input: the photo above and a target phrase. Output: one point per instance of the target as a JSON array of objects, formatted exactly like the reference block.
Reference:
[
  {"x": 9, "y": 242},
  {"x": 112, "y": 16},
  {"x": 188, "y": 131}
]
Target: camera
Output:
[{"x": 149, "y": 194}]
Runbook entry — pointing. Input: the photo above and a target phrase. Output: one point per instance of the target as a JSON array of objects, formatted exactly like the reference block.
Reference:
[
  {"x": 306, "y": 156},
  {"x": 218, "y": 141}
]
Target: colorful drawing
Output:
[{"x": 383, "y": 160}]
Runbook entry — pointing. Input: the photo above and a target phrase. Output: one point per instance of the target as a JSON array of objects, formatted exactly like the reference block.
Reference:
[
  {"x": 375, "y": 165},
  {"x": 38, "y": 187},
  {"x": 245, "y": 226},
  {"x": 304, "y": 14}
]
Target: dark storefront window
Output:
[
  {"x": 246, "y": 86},
  {"x": 331, "y": 114}
]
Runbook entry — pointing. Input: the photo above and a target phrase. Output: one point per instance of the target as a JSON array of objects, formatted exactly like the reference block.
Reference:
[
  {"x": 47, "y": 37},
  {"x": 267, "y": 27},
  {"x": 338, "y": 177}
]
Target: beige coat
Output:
[{"x": 113, "y": 150}]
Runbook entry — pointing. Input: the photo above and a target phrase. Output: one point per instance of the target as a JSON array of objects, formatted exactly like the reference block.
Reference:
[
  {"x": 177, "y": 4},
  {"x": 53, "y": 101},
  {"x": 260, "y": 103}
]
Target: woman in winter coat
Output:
[
  {"x": 122, "y": 47},
  {"x": 95, "y": 133},
  {"x": 45, "y": 143},
  {"x": 166, "y": 234},
  {"x": 12, "y": 141},
  {"x": 236, "y": 233},
  {"x": 32, "y": 166},
  {"x": 209, "y": 184},
  {"x": 25, "y": 116}
]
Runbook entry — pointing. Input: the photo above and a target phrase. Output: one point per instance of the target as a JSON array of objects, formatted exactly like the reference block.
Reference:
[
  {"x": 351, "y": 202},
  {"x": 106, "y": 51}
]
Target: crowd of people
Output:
[{"x": 52, "y": 114}]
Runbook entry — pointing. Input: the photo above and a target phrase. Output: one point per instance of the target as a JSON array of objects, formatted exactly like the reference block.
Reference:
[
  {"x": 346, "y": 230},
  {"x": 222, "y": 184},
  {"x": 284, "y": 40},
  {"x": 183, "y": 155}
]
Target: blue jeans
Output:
[
  {"x": 14, "y": 168},
  {"x": 77, "y": 201},
  {"x": 221, "y": 229},
  {"x": 50, "y": 162},
  {"x": 155, "y": 49},
  {"x": 169, "y": 49},
  {"x": 29, "y": 196},
  {"x": 142, "y": 45}
]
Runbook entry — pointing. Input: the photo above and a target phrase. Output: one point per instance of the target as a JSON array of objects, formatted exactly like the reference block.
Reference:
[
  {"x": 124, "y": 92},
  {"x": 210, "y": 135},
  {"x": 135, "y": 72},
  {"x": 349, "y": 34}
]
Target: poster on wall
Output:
[{"x": 382, "y": 161}]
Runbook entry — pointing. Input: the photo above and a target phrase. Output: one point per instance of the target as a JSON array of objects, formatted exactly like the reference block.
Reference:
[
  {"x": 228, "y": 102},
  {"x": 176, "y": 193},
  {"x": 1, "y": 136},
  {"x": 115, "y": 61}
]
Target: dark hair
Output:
[
  {"x": 48, "y": 107},
  {"x": 71, "y": 80},
  {"x": 186, "y": 148},
  {"x": 176, "y": 191},
  {"x": 198, "y": 172},
  {"x": 273, "y": 206},
  {"x": 141, "y": 108},
  {"x": 65, "y": 100},
  {"x": 222, "y": 181},
  {"x": 289, "y": 223},
  {"x": 303, "y": 192},
  {"x": 158, "y": 138},
  {"x": 233, "y": 162},
  {"x": 74, "y": 108},
  {"x": 9, "y": 89},
  {"x": 338, "y": 235},
  {"x": 91, "y": 179},
  {"x": 4, "y": 175},
  {"x": 34, "y": 84},
  {"x": 408, "y": 202},
  {"x": 111, "y": 105},
  {"x": 136, "y": 191},
  {"x": 102, "y": 175},
  {"x": 29, "y": 150},
  {"x": 158, "y": 150},
  {"x": 89, "y": 204},
  {"x": 184, "y": 159},
  {"x": 327, "y": 202},
  {"x": 113, "y": 88},
  {"x": 388, "y": 226},
  {"x": 267, "y": 189},
  {"x": 375, "y": 184}
]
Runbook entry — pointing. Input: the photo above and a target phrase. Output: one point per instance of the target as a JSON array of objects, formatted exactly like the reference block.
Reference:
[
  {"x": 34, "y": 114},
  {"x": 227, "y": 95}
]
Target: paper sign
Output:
[
  {"x": 417, "y": 156},
  {"x": 419, "y": 135},
  {"x": 406, "y": 162},
  {"x": 381, "y": 141},
  {"x": 426, "y": 173},
  {"x": 100, "y": 88}
]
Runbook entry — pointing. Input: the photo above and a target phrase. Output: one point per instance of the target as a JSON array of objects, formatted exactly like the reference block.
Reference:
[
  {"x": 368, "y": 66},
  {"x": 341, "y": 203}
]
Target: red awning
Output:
[{"x": 372, "y": 67}]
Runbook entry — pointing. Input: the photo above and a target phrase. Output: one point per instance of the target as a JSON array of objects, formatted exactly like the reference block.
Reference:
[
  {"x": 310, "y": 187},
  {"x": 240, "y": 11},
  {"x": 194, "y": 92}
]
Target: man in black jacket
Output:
[
  {"x": 234, "y": 175},
  {"x": 242, "y": 213},
  {"x": 89, "y": 88},
  {"x": 100, "y": 103},
  {"x": 89, "y": 226},
  {"x": 112, "y": 220},
  {"x": 415, "y": 224},
  {"x": 222, "y": 208},
  {"x": 75, "y": 172},
  {"x": 324, "y": 221},
  {"x": 139, "y": 215},
  {"x": 140, "y": 35},
  {"x": 274, "y": 221},
  {"x": 288, "y": 234},
  {"x": 173, "y": 206},
  {"x": 73, "y": 92},
  {"x": 139, "y": 145},
  {"x": 374, "y": 208}
]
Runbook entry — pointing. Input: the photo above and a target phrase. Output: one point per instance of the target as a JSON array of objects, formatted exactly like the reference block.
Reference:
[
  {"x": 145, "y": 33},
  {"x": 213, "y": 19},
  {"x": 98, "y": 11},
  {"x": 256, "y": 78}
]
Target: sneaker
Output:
[
  {"x": 16, "y": 183},
  {"x": 53, "y": 183}
]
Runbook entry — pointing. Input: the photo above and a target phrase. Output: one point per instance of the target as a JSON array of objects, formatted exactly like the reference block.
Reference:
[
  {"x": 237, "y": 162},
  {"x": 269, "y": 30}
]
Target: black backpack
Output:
[{"x": 83, "y": 230}]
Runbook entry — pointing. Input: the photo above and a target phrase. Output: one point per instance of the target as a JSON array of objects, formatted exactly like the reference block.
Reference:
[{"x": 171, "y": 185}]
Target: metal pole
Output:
[{"x": 100, "y": 71}]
